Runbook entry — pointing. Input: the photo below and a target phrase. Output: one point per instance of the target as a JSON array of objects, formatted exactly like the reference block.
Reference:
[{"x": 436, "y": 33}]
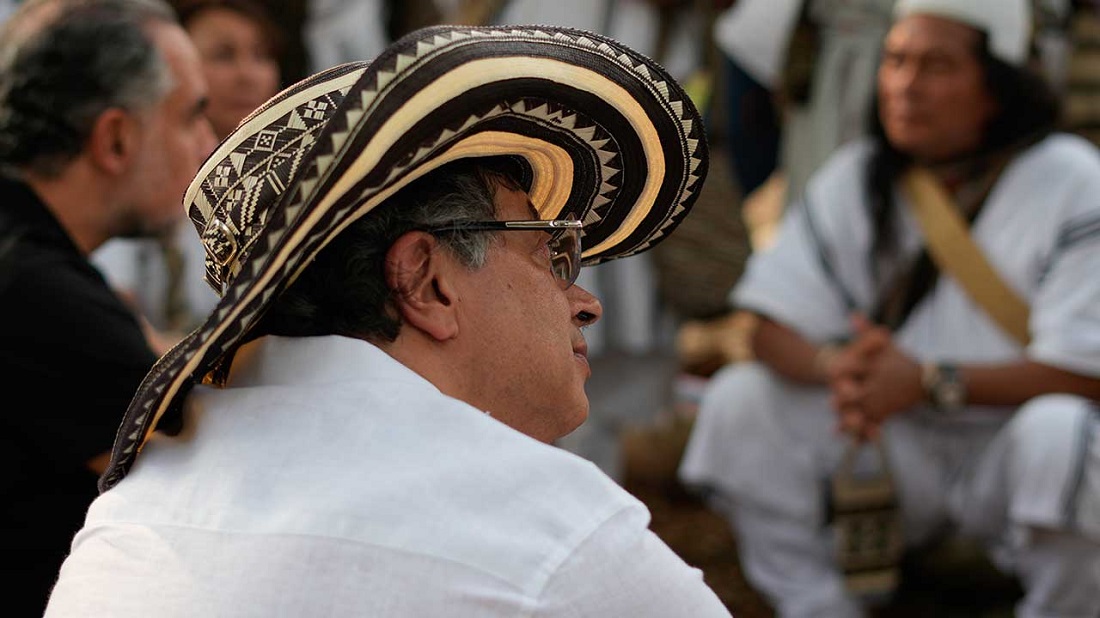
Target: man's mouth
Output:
[{"x": 580, "y": 352}]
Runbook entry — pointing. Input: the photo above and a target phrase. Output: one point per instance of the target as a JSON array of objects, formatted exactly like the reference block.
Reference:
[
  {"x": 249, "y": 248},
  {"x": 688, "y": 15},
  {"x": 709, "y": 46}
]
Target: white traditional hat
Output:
[
  {"x": 1006, "y": 22},
  {"x": 606, "y": 134}
]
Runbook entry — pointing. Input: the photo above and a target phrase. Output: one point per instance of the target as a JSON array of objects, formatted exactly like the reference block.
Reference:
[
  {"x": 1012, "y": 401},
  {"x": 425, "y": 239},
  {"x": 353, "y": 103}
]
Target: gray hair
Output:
[
  {"x": 344, "y": 291},
  {"x": 65, "y": 62}
]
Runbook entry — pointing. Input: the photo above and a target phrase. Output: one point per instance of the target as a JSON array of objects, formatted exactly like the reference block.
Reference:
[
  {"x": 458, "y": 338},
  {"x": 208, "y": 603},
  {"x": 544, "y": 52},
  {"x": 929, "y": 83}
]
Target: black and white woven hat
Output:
[{"x": 606, "y": 135}]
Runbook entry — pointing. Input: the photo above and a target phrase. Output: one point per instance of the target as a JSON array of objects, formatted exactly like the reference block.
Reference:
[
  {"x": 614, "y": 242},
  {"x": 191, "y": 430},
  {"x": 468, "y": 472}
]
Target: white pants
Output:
[{"x": 1028, "y": 486}]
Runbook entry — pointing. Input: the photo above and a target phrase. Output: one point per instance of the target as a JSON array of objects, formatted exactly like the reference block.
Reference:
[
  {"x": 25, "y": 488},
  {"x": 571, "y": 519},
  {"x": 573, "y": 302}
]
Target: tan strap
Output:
[{"x": 954, "y": 251}]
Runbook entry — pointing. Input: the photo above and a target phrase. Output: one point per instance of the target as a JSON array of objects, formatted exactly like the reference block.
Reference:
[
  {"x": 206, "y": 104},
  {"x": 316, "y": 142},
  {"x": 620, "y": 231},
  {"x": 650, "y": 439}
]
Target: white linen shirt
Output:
[{"x": 327, "y": 479}]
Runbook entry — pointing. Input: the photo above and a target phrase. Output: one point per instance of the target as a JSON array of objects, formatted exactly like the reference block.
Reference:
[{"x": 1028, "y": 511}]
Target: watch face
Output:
[
  {"x": 949, "y": 391},
  {"x": 952, "y": 394}
]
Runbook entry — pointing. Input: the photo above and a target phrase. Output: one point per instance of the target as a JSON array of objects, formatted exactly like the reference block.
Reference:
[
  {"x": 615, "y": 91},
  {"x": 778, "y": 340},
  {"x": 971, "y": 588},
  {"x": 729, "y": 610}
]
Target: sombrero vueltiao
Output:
[{"x": 606, "y": 134}]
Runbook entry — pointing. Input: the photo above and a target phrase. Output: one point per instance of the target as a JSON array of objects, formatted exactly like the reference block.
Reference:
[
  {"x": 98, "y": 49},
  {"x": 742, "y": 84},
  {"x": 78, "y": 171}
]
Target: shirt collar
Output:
[{"x": 316, "y": 360}]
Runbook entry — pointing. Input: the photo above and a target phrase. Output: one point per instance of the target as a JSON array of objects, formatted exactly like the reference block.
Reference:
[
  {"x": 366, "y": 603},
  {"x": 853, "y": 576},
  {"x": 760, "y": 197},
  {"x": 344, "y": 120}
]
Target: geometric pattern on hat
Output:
[{"x": 606, "y": 134}]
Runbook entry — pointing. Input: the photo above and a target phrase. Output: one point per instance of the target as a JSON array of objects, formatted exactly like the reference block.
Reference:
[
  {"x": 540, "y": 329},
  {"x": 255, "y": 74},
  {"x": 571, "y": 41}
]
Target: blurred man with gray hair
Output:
[{"x": 101, "y": 129}]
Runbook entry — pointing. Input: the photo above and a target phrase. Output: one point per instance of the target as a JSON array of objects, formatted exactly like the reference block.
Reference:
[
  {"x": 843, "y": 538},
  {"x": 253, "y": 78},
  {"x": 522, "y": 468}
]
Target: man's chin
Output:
[{"x": 578, "y": 419}]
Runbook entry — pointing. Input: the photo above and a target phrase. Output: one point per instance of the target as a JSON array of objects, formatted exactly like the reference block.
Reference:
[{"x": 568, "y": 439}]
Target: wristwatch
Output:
[{"x": 944, "y": 387}]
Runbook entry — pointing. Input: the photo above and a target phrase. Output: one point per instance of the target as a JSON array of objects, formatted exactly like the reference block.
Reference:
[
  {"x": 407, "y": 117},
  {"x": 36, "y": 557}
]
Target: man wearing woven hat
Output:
[
  {"x": 980, "y": 390},
  {"x": 101, "y": 129},
  {"x": 364, "y": 424}
]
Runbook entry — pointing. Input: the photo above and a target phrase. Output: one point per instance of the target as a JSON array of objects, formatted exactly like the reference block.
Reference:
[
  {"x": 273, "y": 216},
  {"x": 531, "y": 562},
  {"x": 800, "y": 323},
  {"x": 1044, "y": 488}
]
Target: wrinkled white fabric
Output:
[
  {"x": 327, "y": 479},
  {"x": 755, "y": 33}
]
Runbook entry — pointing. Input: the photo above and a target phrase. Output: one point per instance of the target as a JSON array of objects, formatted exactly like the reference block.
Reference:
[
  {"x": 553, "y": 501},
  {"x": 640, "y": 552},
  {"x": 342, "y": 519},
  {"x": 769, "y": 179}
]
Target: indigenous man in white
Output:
[{"x": 1000, "y": 441}]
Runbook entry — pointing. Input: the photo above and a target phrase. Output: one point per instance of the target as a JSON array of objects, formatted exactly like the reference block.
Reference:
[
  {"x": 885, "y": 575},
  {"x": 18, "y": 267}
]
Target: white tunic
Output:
[
  {"x": 327, "y": 479},
  {"x": 1039, "y": 228},
  {"x": 766, "y": 446}
]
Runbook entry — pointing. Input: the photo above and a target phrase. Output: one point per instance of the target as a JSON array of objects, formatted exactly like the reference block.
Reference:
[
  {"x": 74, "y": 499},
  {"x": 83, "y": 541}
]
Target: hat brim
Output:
[{"x": 606, "y": 134}]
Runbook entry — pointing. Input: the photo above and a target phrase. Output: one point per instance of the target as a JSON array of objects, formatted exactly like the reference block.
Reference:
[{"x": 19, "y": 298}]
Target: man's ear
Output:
[
  {"x": 113, "y": 142},
  {"x": 420, "y": 274}
]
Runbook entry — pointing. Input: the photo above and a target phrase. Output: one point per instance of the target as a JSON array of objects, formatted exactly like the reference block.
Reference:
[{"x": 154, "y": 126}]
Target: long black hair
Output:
[{"x": 1027, "y": 110}]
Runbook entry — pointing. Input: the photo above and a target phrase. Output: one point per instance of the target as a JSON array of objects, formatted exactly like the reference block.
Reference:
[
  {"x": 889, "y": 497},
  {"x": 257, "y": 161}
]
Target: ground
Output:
[{"x": 952, "y": 583}]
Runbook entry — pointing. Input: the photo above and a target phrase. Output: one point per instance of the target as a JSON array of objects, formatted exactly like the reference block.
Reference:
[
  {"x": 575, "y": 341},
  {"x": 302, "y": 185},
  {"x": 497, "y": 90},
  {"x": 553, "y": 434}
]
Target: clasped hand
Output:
[{"x": 871, "y": 379}]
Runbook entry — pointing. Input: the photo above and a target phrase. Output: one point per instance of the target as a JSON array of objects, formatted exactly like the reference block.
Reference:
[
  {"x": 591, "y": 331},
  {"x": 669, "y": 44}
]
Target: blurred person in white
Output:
[
  {"x": 843, "y": 42},
  {"x": 161, "y": 278},
  {"x": 990, "y": 425},
  {"x": 364, "y": 424},
  {"x": 752, "y": 37},
  {"x": 338, "y": 31}
]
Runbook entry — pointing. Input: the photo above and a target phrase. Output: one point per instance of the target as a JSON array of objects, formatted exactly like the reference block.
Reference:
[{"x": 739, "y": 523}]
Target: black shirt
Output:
[{"x": 71, "y": 357}]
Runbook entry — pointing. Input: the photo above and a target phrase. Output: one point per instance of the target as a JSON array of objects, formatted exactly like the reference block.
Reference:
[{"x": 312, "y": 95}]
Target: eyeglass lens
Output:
[{"x": 565, "y": 258}]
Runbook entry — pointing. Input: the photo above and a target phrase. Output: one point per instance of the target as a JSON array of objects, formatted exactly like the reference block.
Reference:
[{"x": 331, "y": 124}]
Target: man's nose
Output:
[
  {"x": 903, "y": 79},
  {"x": 587, "y": 309}
]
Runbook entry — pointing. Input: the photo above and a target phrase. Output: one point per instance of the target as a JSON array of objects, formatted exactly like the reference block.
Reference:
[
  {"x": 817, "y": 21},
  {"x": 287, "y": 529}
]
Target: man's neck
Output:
[
  {"x": 972, "y": 165},
  {"x": 440, "y": 362},
  {"x": 970, "y": 178},
  {"x": 78, "y": 201}
]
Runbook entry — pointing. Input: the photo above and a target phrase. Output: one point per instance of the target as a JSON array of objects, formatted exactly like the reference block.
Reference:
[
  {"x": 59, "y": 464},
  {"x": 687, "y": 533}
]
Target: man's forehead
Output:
[
  {"x": 187, "y": 83},
  {"x": 927, "y": 35}
]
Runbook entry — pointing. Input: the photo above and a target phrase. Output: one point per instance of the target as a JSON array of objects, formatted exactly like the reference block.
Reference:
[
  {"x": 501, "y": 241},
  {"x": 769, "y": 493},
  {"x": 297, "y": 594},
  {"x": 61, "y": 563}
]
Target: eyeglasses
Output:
[{"x": 565, "y": 241}]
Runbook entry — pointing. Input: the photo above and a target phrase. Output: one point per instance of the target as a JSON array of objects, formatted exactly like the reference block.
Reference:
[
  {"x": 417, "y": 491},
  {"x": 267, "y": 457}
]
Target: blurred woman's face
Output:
[{"x": 241, "y": 70}]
